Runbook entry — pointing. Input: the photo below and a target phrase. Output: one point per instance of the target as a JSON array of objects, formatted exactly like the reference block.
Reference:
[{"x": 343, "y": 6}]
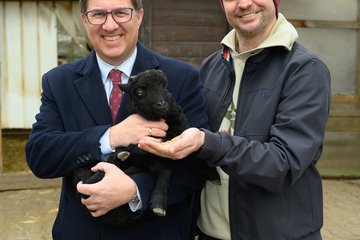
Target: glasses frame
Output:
[{"x": 112, "y": 15}]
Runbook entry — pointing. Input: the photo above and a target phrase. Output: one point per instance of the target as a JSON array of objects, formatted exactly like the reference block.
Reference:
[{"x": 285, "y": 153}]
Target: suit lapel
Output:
[
  {"x": 91, "y": 90},
  {"x": 145, "y": 60}
]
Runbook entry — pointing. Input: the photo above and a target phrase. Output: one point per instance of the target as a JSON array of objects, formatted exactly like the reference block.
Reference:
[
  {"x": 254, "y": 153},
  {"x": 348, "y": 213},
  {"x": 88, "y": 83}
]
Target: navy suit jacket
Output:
[{"x": 74, "y": 114}]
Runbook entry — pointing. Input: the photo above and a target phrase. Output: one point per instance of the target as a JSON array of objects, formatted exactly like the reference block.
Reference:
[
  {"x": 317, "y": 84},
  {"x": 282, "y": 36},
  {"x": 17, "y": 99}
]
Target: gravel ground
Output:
[{"x": 29, "y": 214}]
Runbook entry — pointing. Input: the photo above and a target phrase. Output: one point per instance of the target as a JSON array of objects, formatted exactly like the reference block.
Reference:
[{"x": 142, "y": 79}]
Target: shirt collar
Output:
[
  {"x": 125, "y": 67},
  {"x": 283, "y": 34}
]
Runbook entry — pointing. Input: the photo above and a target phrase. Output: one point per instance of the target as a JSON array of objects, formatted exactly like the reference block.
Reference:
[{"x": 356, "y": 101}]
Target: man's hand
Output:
[
  {"x": 114, "y": 190},
  {"x": 179, "y": 147},
  {"x": 133, "y": 128}
]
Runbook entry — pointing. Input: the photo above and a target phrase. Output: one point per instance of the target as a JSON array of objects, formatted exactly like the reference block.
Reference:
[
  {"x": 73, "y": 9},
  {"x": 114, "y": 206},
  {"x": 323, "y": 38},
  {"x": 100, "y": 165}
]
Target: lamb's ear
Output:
[
  {"x": 164, "y": 77},
  {"x": 124, "y": 86},
  {"x": 161, "y": 72},
  {"x": 132, "y": 78}
]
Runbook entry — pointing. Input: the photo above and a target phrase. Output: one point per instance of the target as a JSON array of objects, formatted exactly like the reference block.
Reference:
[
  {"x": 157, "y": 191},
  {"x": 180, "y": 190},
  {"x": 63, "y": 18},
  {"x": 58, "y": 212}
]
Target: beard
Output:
[{"x": 262, "y": 27}]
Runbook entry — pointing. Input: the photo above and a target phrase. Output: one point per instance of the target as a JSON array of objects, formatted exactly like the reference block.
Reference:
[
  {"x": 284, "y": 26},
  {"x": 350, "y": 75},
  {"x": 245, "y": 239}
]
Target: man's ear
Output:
[
  {"x": 83, "y": 19},
  {"x": 140, "y": 15}
]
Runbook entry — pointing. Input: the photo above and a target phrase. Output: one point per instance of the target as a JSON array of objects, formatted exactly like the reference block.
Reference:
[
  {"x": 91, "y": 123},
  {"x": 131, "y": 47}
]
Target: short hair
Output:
[{"x": 136, "y": 3}]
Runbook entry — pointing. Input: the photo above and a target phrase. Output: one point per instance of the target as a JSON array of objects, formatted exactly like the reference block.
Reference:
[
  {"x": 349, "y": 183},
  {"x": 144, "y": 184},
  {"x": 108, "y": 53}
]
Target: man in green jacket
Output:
[{"x": 268, "y": 101}]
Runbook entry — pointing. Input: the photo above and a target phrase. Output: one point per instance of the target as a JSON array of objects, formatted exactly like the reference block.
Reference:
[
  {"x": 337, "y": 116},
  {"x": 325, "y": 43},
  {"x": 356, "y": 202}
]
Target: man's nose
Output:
[{"x": 110, "y": 23}]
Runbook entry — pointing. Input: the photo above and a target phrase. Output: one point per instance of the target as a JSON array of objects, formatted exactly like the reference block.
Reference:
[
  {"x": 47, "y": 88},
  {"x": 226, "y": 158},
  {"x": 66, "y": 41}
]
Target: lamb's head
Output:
[{"x": 148, "y": 94}]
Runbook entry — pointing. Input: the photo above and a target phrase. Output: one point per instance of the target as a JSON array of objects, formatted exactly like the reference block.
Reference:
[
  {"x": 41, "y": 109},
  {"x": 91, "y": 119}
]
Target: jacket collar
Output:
[
  {"x": 145, "y": 60},
  {"x": 91, "y": 90},
  {"x": 283, "y": 35}
]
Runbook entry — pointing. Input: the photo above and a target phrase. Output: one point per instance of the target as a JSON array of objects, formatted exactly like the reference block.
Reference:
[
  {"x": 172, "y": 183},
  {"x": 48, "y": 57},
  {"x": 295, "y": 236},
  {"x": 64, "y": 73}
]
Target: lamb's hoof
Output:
[
  {"x": 123, "y": 155},
  {"x": 160, "y": 212}
]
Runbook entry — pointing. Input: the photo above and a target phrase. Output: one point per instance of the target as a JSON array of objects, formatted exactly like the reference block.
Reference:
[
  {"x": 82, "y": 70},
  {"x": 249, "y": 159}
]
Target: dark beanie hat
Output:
[{"x": 276, "y": 2}]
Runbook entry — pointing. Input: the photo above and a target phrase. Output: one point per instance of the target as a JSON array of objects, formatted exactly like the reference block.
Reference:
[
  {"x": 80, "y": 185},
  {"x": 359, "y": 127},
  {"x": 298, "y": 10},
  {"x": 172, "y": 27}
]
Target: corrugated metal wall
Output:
[{"x": 28, "y": 49}]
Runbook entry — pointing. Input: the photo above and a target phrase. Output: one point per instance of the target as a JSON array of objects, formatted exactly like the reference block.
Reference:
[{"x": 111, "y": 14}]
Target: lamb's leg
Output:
[{"x": 158, "y": 202}]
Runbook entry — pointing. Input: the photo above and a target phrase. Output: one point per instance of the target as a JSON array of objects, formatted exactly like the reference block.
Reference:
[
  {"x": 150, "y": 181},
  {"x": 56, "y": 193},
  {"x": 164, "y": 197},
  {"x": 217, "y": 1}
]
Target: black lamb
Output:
[{"x": 148, "y": 97}]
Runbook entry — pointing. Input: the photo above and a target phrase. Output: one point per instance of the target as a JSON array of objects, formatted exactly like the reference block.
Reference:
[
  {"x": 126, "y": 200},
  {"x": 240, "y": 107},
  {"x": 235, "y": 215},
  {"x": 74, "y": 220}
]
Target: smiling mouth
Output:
[
  {"x": 249, "y": 15},
  {"x": 112, "y": 38}
]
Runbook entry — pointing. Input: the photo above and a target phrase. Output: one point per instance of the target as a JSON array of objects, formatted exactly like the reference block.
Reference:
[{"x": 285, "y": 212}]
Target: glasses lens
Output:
[
  {"x": 96, "y": 16},
  {"x": 122, "y": 15}
]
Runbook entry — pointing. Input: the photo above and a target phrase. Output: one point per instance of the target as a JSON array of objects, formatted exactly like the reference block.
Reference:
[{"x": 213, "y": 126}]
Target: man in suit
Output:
[{"x": 74, "y": 128}]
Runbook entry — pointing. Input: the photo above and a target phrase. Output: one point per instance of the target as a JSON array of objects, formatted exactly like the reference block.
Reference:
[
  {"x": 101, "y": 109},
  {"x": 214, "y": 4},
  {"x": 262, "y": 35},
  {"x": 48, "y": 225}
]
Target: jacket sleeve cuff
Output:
[
  {"x": 209, "y": 149},
  {"x": 145, "y": 183}
]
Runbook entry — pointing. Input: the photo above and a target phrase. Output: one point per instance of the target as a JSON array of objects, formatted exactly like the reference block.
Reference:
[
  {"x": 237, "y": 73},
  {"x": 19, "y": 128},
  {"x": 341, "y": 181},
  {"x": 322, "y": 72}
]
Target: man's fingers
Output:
[
  {"x": 150, "y": 139},
  {"x": 84, "y": 188},
  {"x": 91, "y": 208},
  {"x": 94, "y": 209},
  {"x": 150, "y": 145},
  {"x": 94, "y": 212},
  {"x": 97, "y": 213},
  {"x": 100, "y": 166},
  {"x": 170, "y": 149}
]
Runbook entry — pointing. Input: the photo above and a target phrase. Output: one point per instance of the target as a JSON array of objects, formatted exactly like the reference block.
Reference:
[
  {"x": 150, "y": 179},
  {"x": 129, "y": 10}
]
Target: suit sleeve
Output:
[{"x": 55, "y": 150}]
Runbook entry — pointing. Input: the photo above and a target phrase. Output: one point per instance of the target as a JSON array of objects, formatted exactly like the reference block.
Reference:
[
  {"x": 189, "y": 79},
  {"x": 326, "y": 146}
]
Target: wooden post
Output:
[
  {"x": 1, "y": 80},
  {"x": 1, "y": 154},
  {"x": 146, "y": 26},
  {"x": 358, "y": 51}
]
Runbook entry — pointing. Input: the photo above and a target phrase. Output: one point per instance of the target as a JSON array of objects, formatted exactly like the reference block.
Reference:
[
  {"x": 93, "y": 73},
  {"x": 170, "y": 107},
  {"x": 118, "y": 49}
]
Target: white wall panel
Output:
[
  {"x": 1, "y": 76},
  {"x": 331, "y": 10},
  {"x": 47, "y": 36},
  {"x": 1, "y": 50},
  {"x": 29, "y": 49},
  {"x": 337, "y": 48},
  {"x": 31, "y": 62},
  {"x": 12, "y": 107}
]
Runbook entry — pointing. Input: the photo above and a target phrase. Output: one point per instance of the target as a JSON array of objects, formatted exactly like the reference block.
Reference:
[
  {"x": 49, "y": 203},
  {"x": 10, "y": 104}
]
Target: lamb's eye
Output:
[{"x": 139, "y": 92}]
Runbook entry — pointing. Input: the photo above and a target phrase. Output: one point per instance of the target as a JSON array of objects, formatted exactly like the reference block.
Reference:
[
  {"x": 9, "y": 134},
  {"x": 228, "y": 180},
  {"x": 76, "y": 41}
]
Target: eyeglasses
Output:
[{"x": 120, "y": 15}]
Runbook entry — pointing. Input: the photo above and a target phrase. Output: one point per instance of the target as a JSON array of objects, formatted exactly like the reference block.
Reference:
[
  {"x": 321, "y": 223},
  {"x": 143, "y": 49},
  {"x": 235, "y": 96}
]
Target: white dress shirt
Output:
[{"x": 126, "y": 68}]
